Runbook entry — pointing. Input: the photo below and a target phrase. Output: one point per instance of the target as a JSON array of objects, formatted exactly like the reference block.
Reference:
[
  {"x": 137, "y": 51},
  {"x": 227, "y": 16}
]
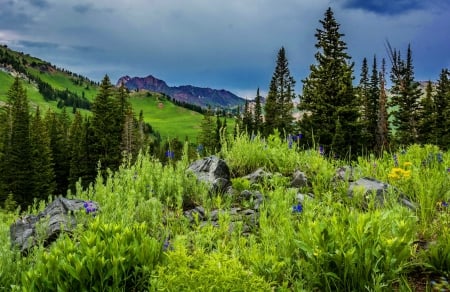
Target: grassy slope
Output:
[{"x": 168, "y": 119}]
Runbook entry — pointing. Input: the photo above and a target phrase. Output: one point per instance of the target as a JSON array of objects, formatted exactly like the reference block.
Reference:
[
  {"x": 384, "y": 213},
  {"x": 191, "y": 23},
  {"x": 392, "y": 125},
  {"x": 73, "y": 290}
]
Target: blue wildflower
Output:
[
  {"x": 298, "y": 137},
  {"x": 444, "y": 204},
  {"x": 170, "y": 154},
  {"x": 200, "y": 148},
  {"x": 297, "y": 208},
  {"x": 89, "y": 207},
  {"x": 321, "y": 150},
  {"x": 290, "y": 141}
]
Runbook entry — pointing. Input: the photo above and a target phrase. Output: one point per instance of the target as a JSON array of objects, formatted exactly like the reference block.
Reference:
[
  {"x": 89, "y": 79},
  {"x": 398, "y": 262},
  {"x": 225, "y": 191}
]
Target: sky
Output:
[{"x": 230, "y": 44}]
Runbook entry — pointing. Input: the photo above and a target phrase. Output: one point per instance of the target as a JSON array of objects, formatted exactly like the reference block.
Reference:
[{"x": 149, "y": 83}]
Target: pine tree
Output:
[
  {"x": 405, "y": 99},
  {"x": 257, "y": 114},
  {"x": 373, "y": 100},
  {"x": 328, "y": 100},
  {"x": 382, "y": 137},
  {"x": 16, "y": 164},
  {"x": 107, "y": 127},
  {"x": 442, "y": 104},
  {"x": 43, "y": 177},
  {"x": 279, "y": 103},
  {"x": 247, "y": 119},
  {"x": 75, "y": 150},
  {"x": 207, "y": 136},
  {"x": 58, "y": 128},
  {"x": 363, "y": 92},
  {"x": 427, "y": 117}
]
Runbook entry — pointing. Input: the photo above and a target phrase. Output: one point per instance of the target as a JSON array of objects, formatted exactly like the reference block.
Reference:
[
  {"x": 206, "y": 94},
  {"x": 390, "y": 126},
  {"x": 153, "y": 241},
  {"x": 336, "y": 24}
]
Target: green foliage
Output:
[{"x": 105, "y": 256}]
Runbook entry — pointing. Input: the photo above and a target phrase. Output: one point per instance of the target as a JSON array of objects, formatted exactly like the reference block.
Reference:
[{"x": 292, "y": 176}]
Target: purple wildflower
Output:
[
  {"x": 89, "y": 207},
  {"x": 297, "y": 208},
  {"x": 170, "y": 154},
  {"x": 321, "y": 150},
  {"x": 444, "y": 204},
  {"x": 290, "y": 141}
]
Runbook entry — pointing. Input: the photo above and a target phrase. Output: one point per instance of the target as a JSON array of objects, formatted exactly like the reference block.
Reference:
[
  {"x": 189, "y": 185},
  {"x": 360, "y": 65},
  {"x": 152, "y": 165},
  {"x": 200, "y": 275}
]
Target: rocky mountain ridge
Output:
[{"x": 186, "y": 93}]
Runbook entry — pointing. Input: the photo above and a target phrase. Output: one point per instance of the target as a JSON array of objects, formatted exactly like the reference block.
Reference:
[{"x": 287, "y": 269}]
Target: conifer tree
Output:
[
  {"x": 16, "y": 164},
  {"x": 427, "y": 117},
  {"x": 43, "y": 178},
  {"x": 58, "y": 128},
  {"x": 257, "y": 114},
  {"x": 279, "y": 103},
  {"x": 373, "y": 100},
  {"x": 107, "y": 127},
  {"x": 328, "y": 100},
  {"x": 363, "y": 92},
  {"x": 382, "y": 137},
  {"x": 405, "y": 99},
  {"x": 247, "y": 119},
  {"x": 208, "y": 134},
  {"x": 442, "y": 105},
  {"x": 76, "y": 150}
]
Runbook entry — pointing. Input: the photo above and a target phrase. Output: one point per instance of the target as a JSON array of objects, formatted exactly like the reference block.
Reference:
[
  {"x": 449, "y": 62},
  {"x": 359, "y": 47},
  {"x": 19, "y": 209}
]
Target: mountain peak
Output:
[{"x": 185, "y": 93}]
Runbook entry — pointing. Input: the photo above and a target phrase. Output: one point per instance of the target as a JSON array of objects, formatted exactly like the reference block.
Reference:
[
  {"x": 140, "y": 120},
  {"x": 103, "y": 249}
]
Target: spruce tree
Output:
[
  {"x": 43, "y": 177},
  {"x": 257, "y": 114},
  {"x": 107, "y": 127},
  {"x": 442, "y": 105},
  {"x": 279, "y": 104},
  {"x": 75, "y": 150},
  {"x": 427, "y": 117},
  {"x": 16, "y": 164},
  {"x": 208, "y": 133},
  {"x": 247, "y": 119},
  {"x": 363, "y": 92},
  {"x": 328, "y": 100},
  {"x": 373, "y": 100},
  {"x": 382, "y": 137},
  {"x": 405, "y": 99}
]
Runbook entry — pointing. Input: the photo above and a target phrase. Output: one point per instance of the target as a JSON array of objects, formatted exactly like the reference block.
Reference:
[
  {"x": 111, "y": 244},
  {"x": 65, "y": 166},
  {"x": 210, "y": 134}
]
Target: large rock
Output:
[
  {"x": 48, "y": 224},
  {"x": 380, "y": 189},
  {"x": 258, "y": 176},
  {"x": 213, "y": 171},
  {"x": 299, "y": 179}
]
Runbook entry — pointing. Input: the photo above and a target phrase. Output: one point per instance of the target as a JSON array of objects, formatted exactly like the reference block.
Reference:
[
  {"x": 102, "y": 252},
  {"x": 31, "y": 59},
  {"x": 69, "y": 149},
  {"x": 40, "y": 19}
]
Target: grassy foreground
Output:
[{"x": 140, "y": 240}]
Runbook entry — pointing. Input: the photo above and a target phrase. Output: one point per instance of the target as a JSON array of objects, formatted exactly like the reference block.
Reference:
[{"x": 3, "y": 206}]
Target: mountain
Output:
[{"x": 185, "y": 93}]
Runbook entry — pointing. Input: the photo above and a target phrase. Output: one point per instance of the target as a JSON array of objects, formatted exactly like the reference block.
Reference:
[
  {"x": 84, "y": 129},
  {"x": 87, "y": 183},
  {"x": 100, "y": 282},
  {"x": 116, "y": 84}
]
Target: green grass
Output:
[
  {"x": 165, "y": 117},
  {"x": 332, "y": 245}
]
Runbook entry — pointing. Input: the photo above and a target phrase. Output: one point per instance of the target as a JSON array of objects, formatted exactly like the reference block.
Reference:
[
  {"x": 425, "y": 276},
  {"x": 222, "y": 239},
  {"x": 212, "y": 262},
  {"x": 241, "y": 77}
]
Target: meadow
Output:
[{"x": 140, "y": 240}]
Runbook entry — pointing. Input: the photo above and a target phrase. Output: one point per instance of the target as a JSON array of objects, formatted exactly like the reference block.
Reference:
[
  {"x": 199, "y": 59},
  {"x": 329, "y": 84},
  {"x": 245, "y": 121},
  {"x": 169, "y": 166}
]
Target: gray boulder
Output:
[
  {"x": 213, "y": 171},
  {"x": 48, "y": 224},
  {"x": 258, "y": 176},
  {"x": 380, "y": 189},
  {"x": 299, "y": 179}
]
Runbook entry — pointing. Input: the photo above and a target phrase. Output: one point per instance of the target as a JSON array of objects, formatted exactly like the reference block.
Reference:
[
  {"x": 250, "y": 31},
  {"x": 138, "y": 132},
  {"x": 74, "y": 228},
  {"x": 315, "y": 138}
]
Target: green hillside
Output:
[{"x": 165, "y": 117}]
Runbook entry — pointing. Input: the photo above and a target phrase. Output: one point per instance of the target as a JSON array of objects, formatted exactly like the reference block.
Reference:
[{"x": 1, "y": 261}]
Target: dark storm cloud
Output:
[{"x": 387, "y": 7}]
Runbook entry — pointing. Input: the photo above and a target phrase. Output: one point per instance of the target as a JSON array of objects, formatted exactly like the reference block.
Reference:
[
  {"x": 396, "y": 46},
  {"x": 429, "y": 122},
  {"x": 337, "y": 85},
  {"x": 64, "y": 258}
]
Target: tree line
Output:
[{"x": 344, "y": 120}]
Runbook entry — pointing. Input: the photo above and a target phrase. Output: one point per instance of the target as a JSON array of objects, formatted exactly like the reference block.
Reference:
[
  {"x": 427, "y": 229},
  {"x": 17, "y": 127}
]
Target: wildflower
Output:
[
  {"x": 448, "y": 169},
  {"x": 200, "y": 148},
  {"x": 444, "y": 204},
  {"x": 407, "y": 163},
  {"x": 170, "y": 154},
  {"x": 321, "y": 150},
  {"x": 298, "y": 137},
  {"x": 395, "y": 160},
  {"x": 290, "y": 141},
  {"x": 89, "y": 206},
  {"x": 297, "y": 208}
]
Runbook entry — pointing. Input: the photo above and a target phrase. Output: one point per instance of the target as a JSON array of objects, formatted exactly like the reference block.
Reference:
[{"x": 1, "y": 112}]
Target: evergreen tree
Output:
[
  {"x": 363, "y": 92},
  {"x": 75, "y": 150},
  {"x": 442, "y": 105},
  {"x": 382, "y": 137},
  {"x": 405, "y": 98},
  {"x": 328, "y": 100},
  {"x": 257, "y": 114},
  {"x": 16, "y": 164},
  {"x": 107, "y": 127},
  {"x": 373, "y": 100},
  {"x": 247, "y": 119},
  {"x": 279, "y": 104},
  {"x": 43, "y": 177},
  {"x": 427, "y": 117},
  {"x": 208, "y": 132},
  {"x": 58, "y": 128}
]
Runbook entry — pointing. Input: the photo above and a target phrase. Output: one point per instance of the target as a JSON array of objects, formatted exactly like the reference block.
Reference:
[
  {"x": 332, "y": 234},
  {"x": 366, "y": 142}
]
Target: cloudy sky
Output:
[{"x": 228, "y": 44}]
